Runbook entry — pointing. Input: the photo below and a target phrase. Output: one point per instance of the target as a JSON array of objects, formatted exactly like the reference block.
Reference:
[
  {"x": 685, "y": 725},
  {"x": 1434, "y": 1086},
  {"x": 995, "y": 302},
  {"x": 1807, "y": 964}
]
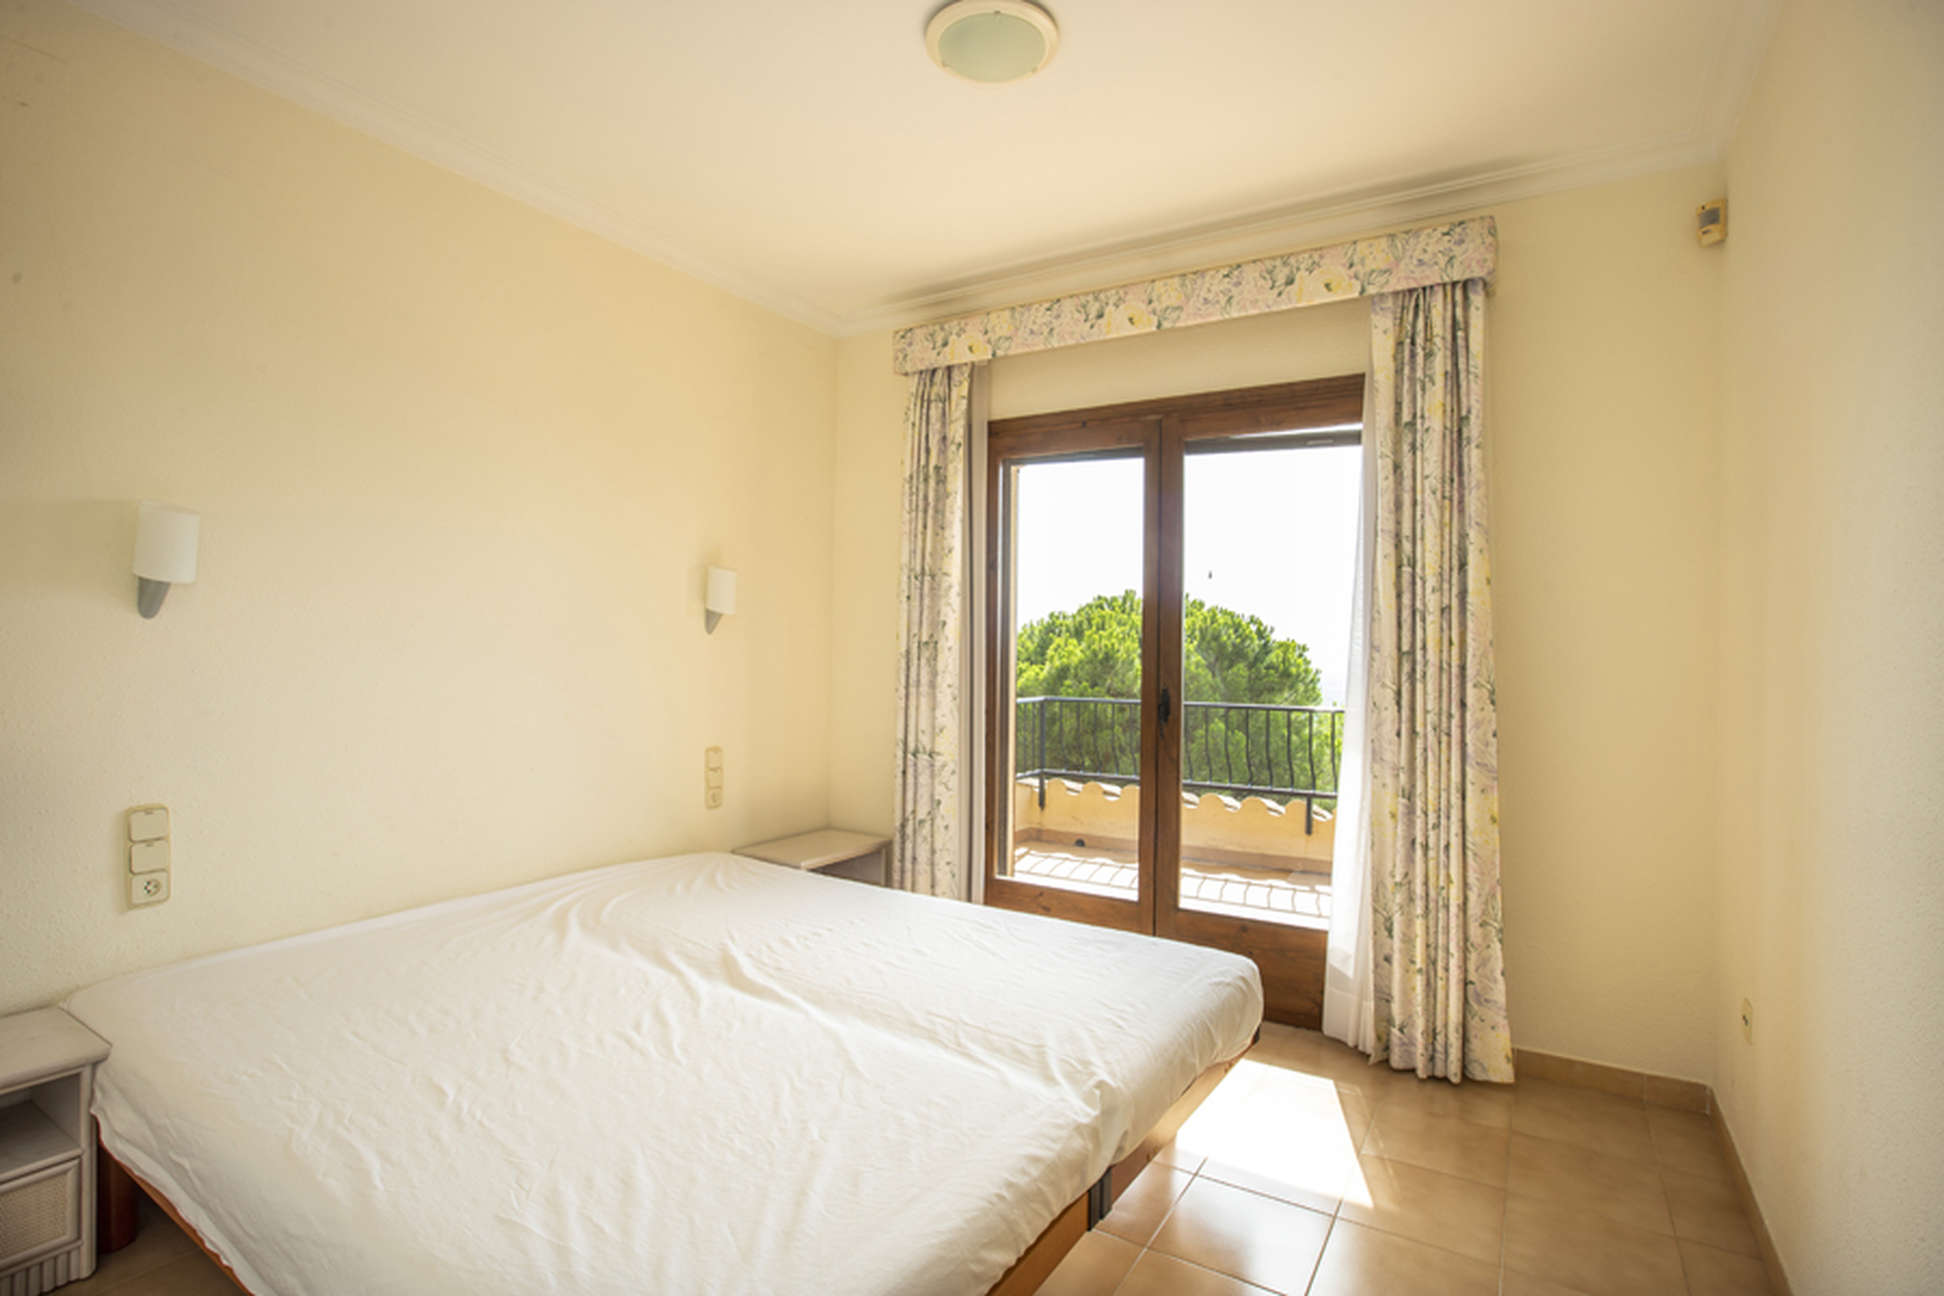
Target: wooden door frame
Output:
[
  {"x": 1010, "y": 442},
  {"x": 1292, "y": 958}
]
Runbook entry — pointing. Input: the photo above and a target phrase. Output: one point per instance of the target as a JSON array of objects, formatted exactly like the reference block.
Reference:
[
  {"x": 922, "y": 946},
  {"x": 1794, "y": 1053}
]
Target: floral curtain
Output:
[
  {"x": 1437, "y": 970},
  {"x": 928, "y": 850}
]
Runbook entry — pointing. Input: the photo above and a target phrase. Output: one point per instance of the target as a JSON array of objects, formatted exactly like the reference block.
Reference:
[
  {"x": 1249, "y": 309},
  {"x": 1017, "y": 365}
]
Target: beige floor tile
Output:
[
  {"x": 1569, "y": 1175},
  {"x": 1282, "y": 1133},
  {"x": 1708, "y": 1210},
  {"x": 1714, "y": 1272},
  {"x": 1312, "y": 1053},
  {"x": 1602, "y": 1122},
  {"x": 1181, "y": 1158},
  {"x": 1480, "y": 1103},
  {"x": 190, "y": 1275},
  {"x": 1147, "y": 1201},
  {"x": 1155, "y": 1274},
  {"x": 1094, "y": 1267},
  {"x": 1590, "y": 1252},
  {"x": 1518, "y": 1284},
  {"x": 1246, "y": 1235},
  {"x": 157, "y": 1242},
  {"x": 1688, "y": 1144},
  {"x": 1456, "y": 1147},
  {"x": 1359, "y": 1261},
  {"x": 1437, "y": 1209}
]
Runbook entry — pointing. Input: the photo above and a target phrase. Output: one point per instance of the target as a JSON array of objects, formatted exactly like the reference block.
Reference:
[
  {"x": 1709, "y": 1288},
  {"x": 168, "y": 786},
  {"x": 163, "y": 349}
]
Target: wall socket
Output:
[
  {"x": 147, "y": 888},
  {"x": 712, "y": 778},
  {"x": 1748, "y": 1022}
]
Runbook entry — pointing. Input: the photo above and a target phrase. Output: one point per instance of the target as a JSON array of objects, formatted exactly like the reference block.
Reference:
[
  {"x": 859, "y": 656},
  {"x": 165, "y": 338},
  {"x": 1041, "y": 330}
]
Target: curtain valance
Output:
[{"x": 1364, "y": 268}]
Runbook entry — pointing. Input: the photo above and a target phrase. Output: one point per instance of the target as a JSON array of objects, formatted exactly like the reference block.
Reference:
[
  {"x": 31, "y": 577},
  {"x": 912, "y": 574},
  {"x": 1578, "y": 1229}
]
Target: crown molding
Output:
[
  {"x": 430, "y": 141},
  {"x": 1372, "y": 210},
  {"x": 1368, "y": 209}
]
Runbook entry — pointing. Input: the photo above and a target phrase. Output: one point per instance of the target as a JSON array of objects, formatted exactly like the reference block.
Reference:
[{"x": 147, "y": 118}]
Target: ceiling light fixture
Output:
[{"x": 991, "y": 40}]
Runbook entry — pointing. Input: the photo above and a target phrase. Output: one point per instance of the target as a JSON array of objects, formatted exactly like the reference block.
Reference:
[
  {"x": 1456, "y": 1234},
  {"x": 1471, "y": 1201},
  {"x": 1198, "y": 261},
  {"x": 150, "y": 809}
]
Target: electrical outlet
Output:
[
  {"x": 713, "y": 798},
  {"x": 147, "y": 888},
  {"x": 1748, "y": 1022}
]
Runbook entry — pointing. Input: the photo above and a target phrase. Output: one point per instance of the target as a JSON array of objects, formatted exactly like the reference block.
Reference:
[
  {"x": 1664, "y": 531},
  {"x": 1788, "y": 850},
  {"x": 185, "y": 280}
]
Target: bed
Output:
[{"x": 693, "y": 1074}]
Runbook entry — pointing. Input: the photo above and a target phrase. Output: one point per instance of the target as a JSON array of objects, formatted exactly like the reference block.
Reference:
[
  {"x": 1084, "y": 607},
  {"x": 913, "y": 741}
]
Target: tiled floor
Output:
[
  {"x": 161, "y": 1261},
  {"x": 1285, "y": 896},
  {"x": 1309, "y": 1171}
]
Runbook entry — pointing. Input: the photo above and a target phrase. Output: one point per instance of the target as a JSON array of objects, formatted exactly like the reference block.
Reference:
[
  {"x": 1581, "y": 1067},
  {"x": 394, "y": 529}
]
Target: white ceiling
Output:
[{"x": 807, "y": 154}]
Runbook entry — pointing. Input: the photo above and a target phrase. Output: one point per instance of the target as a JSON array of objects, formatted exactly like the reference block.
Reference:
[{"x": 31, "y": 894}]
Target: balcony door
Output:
[{"x": 1169, "y": 614}]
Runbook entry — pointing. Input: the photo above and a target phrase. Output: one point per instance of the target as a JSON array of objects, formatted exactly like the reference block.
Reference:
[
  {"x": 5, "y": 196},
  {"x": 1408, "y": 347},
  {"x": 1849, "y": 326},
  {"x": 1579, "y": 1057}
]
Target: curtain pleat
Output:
[
  {"x": 1436, "y": 941},
  {"x": 928, "y": 849}
]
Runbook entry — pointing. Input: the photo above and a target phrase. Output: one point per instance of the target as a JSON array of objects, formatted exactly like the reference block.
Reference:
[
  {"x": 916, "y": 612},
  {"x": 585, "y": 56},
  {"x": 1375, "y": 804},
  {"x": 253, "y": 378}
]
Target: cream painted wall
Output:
[
  {"x": 1603, "y": 407},
  {"x": 1600, "y": 373},
  {"x": 1832, "y": 757},
  {"x": 460, "y": 467}
]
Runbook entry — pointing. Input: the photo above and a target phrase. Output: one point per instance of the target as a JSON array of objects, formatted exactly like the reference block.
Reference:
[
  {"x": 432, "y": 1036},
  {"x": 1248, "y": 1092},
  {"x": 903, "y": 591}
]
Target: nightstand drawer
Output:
[{"x": 40, "y": 1213}]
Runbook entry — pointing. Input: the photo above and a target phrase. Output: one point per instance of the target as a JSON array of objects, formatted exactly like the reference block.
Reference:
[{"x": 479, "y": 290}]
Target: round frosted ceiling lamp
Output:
[{"x": 991, "y": 40}]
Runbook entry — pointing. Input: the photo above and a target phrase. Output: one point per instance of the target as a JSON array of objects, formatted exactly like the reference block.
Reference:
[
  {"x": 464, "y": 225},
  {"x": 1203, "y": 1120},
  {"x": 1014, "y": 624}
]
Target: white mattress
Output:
[{"x": 695, "y": 1074}]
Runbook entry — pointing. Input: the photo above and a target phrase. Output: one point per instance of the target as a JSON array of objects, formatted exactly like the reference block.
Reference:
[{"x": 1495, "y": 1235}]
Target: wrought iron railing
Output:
[{"x": 1279, "y": 753}]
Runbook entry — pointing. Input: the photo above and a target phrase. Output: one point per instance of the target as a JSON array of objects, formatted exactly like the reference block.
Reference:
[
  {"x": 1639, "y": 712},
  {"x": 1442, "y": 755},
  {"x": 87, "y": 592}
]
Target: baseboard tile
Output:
[
  {"x": 1771, "y": 1259},
  {"x": 1661, "y": 1091}
]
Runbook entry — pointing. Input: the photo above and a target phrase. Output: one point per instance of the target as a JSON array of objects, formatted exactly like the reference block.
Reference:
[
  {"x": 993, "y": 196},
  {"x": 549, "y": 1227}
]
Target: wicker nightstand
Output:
[{"x": 47, "y": 1151}]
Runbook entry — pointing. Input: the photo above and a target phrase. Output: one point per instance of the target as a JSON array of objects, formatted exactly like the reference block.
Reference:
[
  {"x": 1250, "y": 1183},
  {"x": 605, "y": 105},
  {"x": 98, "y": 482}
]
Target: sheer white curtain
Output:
[{"x": 1347, "y": 998}]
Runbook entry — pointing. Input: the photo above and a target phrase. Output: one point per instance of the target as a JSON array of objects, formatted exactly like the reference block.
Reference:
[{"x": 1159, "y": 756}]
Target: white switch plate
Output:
[
  {"x": 147, "y": 889},
  {"x": 712, "y": 777},
  {"x": 147, "y": 823},
  {"x": 148, "y": 856}
]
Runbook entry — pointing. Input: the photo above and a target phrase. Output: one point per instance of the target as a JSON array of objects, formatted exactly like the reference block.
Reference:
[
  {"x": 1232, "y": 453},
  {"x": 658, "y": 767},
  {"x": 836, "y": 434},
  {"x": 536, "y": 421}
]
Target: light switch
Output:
[
  {"x": 147, "y": 888},
  {"x": 712, "y": 758},
  {"x": 148, "y": 857},
  {"x": 147, "y": 823}
]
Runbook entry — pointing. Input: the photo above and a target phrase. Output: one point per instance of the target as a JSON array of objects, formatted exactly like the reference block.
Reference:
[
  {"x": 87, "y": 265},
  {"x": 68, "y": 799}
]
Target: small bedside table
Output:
[
  {"x": 47, "y": 1151},
  {"x": 829, "y": 850}
]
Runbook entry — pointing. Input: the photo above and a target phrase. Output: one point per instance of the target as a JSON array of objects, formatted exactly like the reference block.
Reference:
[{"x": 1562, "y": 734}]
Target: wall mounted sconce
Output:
[
  {"x": 165, "y": 553},
  {"x": 720, "y": 600}
]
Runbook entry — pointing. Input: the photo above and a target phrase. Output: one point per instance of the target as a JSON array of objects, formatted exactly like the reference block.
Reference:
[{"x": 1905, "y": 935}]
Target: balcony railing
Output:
[{"x": 1242, "y": 749}]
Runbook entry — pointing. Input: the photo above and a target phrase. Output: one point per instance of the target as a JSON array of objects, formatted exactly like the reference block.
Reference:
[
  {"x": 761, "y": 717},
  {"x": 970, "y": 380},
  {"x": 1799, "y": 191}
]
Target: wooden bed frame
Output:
[{"x": 117, "y": 1201}]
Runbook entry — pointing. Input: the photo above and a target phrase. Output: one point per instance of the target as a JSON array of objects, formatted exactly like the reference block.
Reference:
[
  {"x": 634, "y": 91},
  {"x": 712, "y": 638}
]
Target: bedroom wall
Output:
[
  {"x": 460, "y": 468},
  {"x": 1832, "y": 756},
  {"x": 1603, "y": 407}
]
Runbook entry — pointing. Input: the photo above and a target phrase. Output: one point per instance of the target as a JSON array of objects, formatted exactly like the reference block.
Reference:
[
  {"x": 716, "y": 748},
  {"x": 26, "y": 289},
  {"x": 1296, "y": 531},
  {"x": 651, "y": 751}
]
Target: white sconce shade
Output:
[
  {"x": 165, "y": 552},
  {"x": 720, "y": 600}
]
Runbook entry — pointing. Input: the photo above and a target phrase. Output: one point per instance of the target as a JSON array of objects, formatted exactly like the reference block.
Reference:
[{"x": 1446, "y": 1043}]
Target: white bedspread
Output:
[{"x": 687, "y": 1075}]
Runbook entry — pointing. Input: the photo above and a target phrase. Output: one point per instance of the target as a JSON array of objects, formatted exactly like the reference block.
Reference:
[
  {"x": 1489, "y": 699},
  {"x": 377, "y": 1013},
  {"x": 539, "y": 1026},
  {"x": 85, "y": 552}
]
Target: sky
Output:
[{"x": 1269, "y": 532}]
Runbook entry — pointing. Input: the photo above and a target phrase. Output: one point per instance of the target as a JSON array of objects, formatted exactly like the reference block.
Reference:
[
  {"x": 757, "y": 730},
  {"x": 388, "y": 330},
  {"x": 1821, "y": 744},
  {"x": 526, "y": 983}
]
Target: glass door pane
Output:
[
  {"x": 1071, "y": 607},
  {"x": 1268, "y": 558}
]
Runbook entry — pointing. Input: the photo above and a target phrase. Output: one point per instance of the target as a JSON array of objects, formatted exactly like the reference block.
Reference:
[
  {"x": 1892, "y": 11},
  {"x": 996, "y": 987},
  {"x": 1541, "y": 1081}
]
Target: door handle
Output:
[{"x": 1167, "y": 706}]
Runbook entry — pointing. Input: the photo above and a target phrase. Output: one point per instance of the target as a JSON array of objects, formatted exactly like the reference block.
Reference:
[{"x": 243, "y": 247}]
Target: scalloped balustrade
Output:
[{"x": 1252, "y": 832}]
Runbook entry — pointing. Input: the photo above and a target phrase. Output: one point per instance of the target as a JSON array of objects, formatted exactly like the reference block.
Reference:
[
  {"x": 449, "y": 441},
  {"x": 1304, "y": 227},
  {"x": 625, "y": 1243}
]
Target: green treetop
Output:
[{"x": 1095, "y": 651}]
